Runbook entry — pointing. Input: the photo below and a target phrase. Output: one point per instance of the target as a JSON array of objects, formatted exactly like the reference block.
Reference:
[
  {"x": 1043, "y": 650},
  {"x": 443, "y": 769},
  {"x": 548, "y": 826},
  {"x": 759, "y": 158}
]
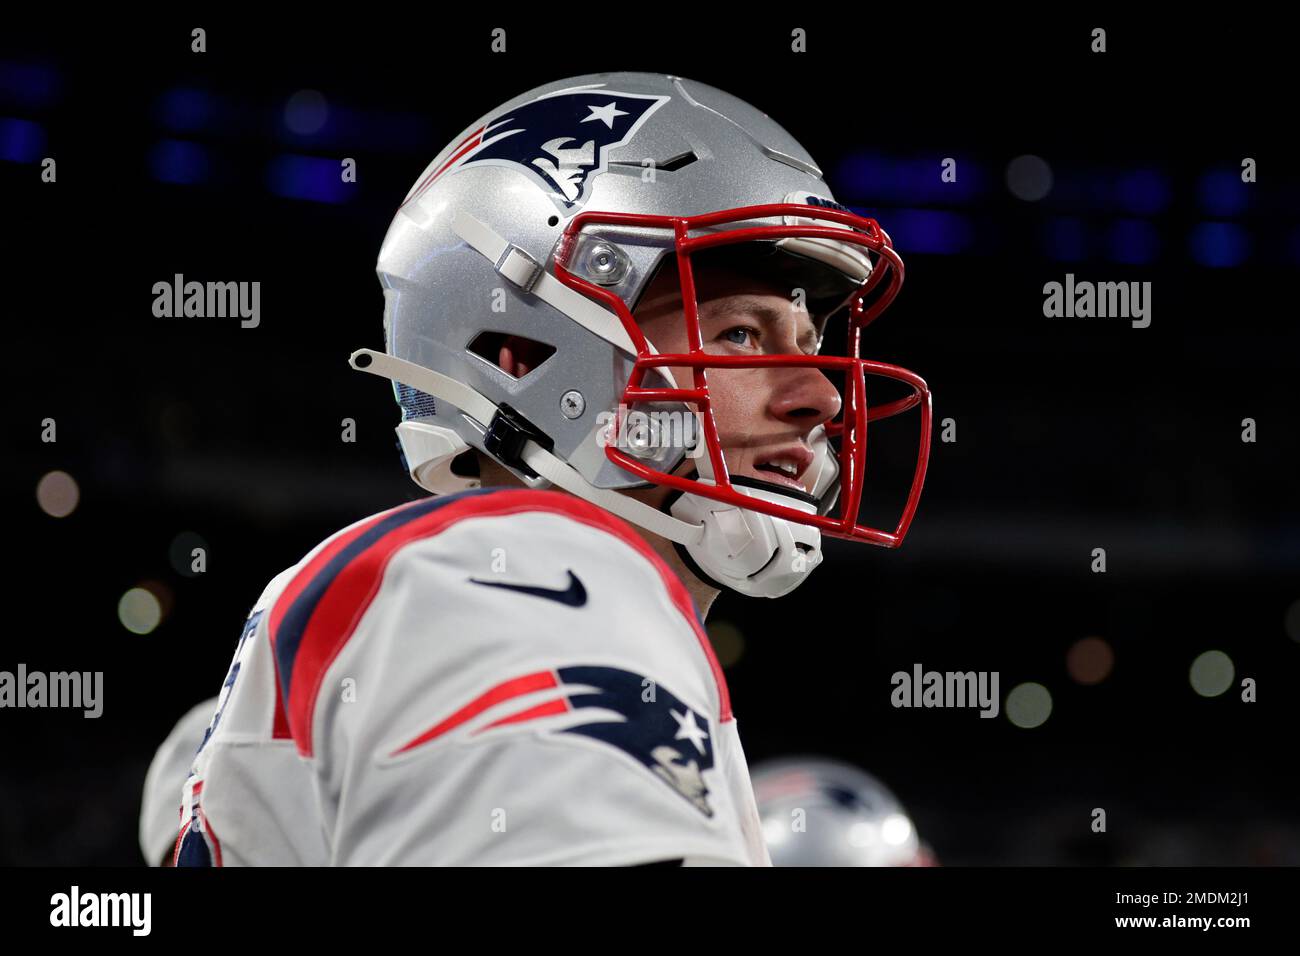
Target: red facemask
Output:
[{"x": 847, "y": 432}]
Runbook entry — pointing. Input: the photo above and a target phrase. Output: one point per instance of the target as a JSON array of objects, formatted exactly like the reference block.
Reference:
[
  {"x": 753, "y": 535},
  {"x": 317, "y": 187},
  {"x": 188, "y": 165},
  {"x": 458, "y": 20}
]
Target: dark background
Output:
[{"x": 1072, "y": 434}]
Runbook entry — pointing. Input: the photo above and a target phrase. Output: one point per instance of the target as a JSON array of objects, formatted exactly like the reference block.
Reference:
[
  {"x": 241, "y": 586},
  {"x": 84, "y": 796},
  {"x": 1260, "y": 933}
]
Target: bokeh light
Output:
[
  {"x": 1089, "y": 661},
  {"x": 1219, "y": 245},
  {"x": 896, "y": 829},
  {"x": 776, "y": 832},
  {"x": 1211, "y": 673},
  {"x": 1291, "y": 621},
  {"x": 305, "y": 112},
  {"x": 163, "y": 595},
  {"x": 139, "y": 611},
  {"x": 57, "y": 494},
  {"x": 1029, "y": 705},
  {"x": 181, "y": 553},
  {"x": 863, "y": 834},
  {"x": 728, "y": 642},
  {"x": 1029, "y": 178}
]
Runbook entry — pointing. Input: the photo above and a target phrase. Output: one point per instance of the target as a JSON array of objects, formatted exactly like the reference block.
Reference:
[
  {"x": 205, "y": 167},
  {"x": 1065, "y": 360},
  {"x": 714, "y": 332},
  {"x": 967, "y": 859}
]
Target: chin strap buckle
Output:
[{"x": 507, "y": 434}]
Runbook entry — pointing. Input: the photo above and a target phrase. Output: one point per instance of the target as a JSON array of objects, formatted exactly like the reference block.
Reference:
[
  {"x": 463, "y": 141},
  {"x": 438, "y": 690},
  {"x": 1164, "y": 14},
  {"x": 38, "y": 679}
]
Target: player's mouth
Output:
[{"x": 784, "y": 466}]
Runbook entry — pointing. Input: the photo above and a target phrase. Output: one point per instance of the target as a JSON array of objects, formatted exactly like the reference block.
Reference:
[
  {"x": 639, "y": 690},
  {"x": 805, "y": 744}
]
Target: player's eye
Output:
[{"x": 748, "y": 335}]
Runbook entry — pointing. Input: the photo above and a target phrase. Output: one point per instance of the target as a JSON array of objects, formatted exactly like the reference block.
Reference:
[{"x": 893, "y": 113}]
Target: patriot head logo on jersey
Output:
[
  {"x": 671, "y": 739},
  {"x": 561, "y": 139}
]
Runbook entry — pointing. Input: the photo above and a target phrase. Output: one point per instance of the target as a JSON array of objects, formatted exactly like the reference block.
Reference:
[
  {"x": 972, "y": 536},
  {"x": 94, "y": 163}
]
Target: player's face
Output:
[{"x": 764, "y": 415}]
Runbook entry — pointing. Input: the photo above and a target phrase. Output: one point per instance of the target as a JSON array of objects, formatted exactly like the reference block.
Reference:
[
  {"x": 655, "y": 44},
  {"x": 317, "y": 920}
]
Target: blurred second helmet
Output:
[{"x": 822, "y": 812}]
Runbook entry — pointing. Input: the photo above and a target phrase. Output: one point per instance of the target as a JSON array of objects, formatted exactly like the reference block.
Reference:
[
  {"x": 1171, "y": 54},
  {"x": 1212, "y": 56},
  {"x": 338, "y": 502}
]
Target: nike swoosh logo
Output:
[{"x": 575, "y": 595}]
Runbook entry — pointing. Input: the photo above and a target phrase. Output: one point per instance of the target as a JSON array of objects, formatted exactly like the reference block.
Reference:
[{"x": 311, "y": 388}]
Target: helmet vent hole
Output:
[{"x": 515, "y": 355}]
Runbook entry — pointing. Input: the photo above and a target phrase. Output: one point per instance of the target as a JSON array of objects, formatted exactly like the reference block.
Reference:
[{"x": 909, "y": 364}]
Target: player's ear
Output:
[
  {"x": 513, "y": 354},
  {"x": 509, "y": 362}
]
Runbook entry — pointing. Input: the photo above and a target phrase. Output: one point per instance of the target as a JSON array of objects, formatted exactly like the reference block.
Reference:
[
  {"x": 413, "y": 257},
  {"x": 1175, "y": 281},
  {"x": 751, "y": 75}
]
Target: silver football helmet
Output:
[
  {"x": 546, "y": 219},
  {"x": 821, "y": 812}
]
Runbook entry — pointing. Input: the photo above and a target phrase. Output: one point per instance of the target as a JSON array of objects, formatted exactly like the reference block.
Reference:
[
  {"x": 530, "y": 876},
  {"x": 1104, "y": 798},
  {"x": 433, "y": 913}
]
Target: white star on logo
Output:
[
  {"x": 605, "y": 114},
  {"x": 689, "y": 730}
]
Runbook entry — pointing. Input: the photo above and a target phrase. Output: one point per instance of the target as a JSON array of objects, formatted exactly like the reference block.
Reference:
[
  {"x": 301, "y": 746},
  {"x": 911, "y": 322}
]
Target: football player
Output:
[{"x": 605, "y": 306}]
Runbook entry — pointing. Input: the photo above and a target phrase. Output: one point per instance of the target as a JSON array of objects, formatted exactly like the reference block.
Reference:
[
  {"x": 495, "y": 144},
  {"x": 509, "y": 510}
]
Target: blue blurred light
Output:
[
  {"x": 868, "y": 175},
  {"x": 1143, "y": 191},
  {"x": 1222, "y": 193},
  {"x": 1133, "y": 242},
  {"x": 929, "y": 231},
  {"x": 174, "y": 161},
  {"x": 1219, "y": 245},
  {"x": 186, "y": 109},
  {"x": 1066, "y": 240},
  {"x": 875, "y": 179},
  {"x": 335, "y": 124},
  {"x": 919, "y": 181},
  {"x": 306, "y": 113},
  {"x": 379, "y": 131},
  {"x": 21, "y": 141},
  {"x": 308, "y": 177},
  {"x": 32, "y": 85},
  {"x": 1293, "y": 247}
]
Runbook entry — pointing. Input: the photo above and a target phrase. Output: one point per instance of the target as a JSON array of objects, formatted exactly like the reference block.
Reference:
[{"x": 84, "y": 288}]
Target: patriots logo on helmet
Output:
[
  {"x": 561, "y": 139},
  {"x": 619, "y": 708}
]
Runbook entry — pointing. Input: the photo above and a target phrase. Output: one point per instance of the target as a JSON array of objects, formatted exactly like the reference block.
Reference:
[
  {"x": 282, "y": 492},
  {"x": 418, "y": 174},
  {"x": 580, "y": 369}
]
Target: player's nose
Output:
[{"x": 803, "y": 396}]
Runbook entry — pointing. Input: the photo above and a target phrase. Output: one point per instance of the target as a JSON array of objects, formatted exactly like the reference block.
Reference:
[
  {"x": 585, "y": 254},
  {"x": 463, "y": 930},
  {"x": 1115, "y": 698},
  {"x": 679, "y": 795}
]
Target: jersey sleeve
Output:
[
  {"x": 519, "y": 682},
  {"x": 249, "y": 799}
]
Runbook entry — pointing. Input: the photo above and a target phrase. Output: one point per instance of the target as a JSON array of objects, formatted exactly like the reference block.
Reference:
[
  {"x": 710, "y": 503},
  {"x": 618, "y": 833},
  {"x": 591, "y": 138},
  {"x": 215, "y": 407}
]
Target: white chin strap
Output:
[
  {"x": 752, "y": 553},
  {"x": 558, "y": 472}
]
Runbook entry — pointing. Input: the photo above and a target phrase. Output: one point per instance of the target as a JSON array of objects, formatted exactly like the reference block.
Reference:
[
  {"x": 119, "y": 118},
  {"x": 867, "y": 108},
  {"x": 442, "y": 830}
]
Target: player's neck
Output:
[{"x": 702, "y": 594}]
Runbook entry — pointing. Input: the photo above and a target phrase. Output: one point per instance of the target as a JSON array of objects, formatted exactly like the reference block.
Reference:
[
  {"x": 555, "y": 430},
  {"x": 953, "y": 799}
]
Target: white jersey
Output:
[{"x": 495, "y": 677}]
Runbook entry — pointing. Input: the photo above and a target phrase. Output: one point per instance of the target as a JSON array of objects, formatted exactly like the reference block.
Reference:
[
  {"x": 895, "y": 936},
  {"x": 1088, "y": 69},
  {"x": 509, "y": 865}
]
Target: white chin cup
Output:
[
  {"x": 755, "y": 554},
  {"x": 429, "y": 451}
]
